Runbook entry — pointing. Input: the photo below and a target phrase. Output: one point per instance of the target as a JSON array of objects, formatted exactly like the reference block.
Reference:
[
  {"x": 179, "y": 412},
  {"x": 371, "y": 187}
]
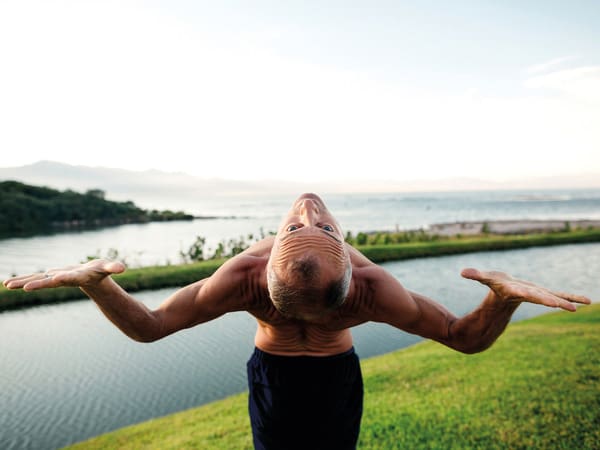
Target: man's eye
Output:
[
  {"x": 327, "y": 227},
  {"x": 292, "y": 228}
]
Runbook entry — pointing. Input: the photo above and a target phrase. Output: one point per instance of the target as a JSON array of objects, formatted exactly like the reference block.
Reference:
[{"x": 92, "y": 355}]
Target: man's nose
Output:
[{"x": 309, "y": 211}]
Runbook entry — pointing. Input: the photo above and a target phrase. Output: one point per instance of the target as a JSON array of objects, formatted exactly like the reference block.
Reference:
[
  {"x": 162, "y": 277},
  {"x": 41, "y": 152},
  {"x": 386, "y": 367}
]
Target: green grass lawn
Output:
[{"x": 537, "y": 387}]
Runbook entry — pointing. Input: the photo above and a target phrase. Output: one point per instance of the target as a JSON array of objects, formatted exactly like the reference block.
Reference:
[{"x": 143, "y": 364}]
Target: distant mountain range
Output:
[{"x": 153, "y": 189}]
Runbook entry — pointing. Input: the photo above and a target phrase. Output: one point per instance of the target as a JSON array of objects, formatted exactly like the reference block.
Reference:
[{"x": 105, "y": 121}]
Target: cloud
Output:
[
  {"x": 581, "y": 83},
  {"x": 543, "y": 67}
]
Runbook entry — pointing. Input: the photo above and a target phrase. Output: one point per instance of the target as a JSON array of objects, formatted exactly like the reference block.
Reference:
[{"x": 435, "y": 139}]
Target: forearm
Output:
[
  {"x": 479, "y": 329},
  {"x": 129, "y": 315}
]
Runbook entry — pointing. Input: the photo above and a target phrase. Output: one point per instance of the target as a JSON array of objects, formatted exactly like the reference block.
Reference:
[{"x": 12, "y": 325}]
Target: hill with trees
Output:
[{"x": 27, "y": 209}]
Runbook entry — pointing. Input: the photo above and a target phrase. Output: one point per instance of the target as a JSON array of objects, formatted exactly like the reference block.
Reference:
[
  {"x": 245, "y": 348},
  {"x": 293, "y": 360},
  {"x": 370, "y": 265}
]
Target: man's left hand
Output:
[{"x": 511, "y": 289}]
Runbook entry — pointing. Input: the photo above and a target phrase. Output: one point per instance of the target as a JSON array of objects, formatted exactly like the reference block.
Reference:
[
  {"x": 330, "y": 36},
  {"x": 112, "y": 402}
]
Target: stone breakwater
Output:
[{"x": 509, "y": 226}]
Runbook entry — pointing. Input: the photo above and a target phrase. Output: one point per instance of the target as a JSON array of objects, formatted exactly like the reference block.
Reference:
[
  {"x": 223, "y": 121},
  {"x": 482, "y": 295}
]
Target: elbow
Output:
[
  {"x": 144, "y": 339},
  {"x": 472, "y": 348},
  {"x": 145, "y": 334},
  {"x": 460, "y": 340},
  {"x": 149, "y": 330}
]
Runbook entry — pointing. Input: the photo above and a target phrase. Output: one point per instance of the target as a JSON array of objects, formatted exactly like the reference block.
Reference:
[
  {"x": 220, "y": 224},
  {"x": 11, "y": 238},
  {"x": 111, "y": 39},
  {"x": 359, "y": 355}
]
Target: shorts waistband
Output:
[{"x": 260, "y": 355}]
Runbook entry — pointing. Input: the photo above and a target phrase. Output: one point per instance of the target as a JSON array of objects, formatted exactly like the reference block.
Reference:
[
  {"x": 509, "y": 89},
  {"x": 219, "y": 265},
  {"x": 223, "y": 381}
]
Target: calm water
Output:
[
  {"x": 159, "y": 243},
  {"x": 68, "y": 374}
]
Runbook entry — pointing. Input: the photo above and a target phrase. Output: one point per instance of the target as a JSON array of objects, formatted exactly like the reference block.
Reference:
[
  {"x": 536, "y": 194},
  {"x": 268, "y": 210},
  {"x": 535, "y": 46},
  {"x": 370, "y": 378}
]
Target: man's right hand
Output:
[{"x": 82, "y": 275}]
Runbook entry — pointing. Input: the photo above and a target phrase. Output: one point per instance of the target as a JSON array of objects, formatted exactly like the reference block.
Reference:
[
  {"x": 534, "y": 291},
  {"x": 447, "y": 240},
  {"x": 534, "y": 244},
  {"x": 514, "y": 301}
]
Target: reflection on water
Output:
[{"x": 68, "y": 374}]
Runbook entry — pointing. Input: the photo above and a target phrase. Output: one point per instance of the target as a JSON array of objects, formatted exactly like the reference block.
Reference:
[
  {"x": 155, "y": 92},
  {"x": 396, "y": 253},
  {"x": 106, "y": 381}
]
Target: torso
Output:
[{"x": 295, "y": 339}]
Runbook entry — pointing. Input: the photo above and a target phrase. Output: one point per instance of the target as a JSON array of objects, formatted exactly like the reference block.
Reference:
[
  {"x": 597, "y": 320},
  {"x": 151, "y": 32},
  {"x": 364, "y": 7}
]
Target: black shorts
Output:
[{"x": 305, "y": 402}]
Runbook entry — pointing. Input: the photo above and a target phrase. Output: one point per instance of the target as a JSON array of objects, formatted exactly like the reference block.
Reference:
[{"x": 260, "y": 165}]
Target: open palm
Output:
[
  {"x": 514, "y": 290},
  {"x": 80, "y": 275}
]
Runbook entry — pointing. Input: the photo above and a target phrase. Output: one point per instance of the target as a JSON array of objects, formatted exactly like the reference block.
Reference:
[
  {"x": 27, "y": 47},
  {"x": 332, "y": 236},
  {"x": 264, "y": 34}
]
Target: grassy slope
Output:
[
  {"x": 179, "y": 275},
  {"x": 537, "y": 387}
]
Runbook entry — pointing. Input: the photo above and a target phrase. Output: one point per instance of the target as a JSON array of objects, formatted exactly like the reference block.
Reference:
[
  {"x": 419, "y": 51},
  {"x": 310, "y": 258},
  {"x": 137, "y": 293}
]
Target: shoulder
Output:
[
  {"x": 260, "y": 248},
  {"x": 368, "y": 276},
  {"x": 240, "y": 283},
  {"x": 376, "y": 295},
  {"x": 357, "y": 259},
  {"x": 241, "y": 268},
  {"x": 251, "y": 262}
]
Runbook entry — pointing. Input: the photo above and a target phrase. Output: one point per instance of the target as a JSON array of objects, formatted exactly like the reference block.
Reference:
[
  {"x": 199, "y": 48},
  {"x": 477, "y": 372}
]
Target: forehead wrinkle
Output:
[
  {"x": 302, "y": 232},
  {"x": 328, "y": 234},
  {"x": 310, "y": 242},
  {"x": 299, "y": 245}
]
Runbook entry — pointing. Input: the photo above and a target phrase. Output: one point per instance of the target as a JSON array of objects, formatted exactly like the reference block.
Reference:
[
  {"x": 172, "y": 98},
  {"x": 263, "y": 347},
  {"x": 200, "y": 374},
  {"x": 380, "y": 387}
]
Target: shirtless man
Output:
[{"x": 306, "y": 288}]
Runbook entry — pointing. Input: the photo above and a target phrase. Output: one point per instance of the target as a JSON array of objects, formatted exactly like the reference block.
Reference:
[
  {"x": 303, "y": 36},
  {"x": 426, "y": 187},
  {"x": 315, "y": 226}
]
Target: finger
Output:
[
  {"x": 471, "y": 274},
  {"x": 114, "y": 267},
  {"x": 19, "y": 278},
  {"x": 46, "y": 282},
  {"x": 19, "y": 282},
  {"x": 573, "y": 297},
  {"x": 485, "y": 277},
  {"x": 8, "y": 281},
  {"x": 549, "y": 299},
  {"x": 13, "y": 284},
  {"x": 566, "y": 305}
]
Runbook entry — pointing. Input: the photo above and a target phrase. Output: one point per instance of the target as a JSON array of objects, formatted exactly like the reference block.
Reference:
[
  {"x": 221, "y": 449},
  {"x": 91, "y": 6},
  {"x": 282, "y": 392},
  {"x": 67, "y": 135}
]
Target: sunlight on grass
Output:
[{"x": 537, "y": 387}]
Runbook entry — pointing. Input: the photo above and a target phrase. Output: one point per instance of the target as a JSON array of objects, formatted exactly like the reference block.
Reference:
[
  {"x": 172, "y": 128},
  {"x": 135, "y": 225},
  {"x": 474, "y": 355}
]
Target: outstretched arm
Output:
[
  {"x": 477, "y": 330},
  {"x": 93, "y": 278},
  {"x": 197, "y": 303}
]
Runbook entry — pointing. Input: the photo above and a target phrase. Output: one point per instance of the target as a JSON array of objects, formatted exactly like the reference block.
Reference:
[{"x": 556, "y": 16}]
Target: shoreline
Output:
[
  {"x": 509, "y": 226},
  {"x": 470, "y": 239}
]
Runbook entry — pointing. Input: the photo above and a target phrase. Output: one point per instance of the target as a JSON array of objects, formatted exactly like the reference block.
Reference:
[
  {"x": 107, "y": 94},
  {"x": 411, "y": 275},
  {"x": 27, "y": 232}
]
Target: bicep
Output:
[
  {"x": 204, "y": 300},
  {"x": 184, "y": 309}
]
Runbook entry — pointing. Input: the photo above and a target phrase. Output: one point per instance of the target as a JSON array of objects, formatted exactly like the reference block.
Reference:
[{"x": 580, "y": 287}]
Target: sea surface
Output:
[
  {"x": 67, "y": 373},
  {"x": 161, "y": 243}
]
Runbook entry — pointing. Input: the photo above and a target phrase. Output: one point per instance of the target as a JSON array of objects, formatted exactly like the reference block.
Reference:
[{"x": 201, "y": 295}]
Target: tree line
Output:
[{"x": 27, "y": 209}]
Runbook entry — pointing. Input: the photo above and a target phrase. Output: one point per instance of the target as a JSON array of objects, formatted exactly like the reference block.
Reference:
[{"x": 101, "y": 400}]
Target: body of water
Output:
[
  {"x": 68, "y": 374},
  {"x": 161, "y": 243}
]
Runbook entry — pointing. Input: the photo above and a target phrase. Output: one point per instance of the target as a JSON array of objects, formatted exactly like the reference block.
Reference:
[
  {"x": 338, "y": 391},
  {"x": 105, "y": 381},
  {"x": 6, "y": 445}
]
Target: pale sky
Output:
[{"x": 304, "y": 90}]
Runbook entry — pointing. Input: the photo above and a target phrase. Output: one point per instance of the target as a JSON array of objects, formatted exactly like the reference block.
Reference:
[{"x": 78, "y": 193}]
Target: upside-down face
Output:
[{"x": 309, "y": 250}]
